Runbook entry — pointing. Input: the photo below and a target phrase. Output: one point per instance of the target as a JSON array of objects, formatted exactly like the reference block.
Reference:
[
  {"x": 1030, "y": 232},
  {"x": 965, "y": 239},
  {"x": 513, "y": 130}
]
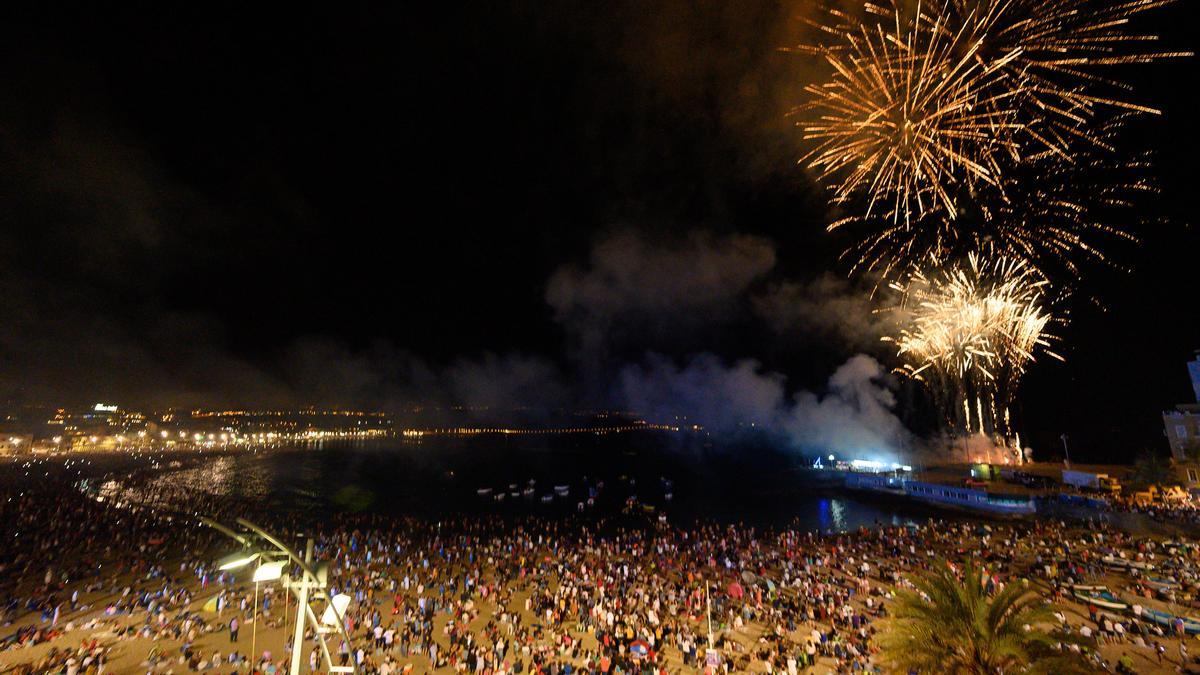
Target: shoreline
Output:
[{"x": 137, "y": 470}]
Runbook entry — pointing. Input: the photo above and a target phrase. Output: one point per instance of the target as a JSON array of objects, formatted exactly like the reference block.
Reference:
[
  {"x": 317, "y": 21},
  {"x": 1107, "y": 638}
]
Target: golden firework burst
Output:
[
  {"x": 940, "y": 125},
  {"x": 969, "y": 331}
]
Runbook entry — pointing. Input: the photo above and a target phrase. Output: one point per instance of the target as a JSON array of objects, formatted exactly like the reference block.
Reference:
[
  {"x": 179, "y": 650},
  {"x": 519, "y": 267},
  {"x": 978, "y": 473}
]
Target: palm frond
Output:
[{"x": 950, "y": 625}]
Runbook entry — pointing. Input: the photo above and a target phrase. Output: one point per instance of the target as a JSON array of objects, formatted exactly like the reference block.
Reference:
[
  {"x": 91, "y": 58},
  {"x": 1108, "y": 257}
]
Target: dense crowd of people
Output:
[
  {"x": 1178, "y": 512},
  {"x": 105, "y": 582}
]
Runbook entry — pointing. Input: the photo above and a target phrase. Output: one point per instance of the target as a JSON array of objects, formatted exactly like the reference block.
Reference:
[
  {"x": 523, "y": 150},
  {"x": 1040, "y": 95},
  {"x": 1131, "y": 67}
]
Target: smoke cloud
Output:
[
  {"x": 827, "y": 307},
  {"x": 389, "y": 378},
  {"x": 725, "y": 399},
  {"x": 508, "y": 381},
  {"x": 636, "y": 295},
  {"x": 628, "y": 312},
  {"x": 629, "y": 278},
  {"x": 969, "y": 449},
  {"x": 853, "y": 415}
]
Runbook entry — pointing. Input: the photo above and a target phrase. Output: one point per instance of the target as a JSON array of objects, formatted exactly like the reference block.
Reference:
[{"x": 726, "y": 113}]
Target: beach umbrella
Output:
[
  {"x": 639, "y": 649},
  {"x": 736, "y": 591},
  {"x": 748, "y": 576},
  {"x": 211, "y": 605}
]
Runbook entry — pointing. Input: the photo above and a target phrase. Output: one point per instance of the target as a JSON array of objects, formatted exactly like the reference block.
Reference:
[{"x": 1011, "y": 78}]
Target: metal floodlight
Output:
[
  {"x": 339, "y": 603},
  {"x": 236, "y": 560},
  {"x": 274, "y": 557},
  {"x": 269, "y": 571}
]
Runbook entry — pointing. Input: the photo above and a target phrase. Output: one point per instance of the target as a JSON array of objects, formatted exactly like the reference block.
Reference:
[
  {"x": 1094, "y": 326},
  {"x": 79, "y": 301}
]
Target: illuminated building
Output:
[{"x": 1181, "y": 426}]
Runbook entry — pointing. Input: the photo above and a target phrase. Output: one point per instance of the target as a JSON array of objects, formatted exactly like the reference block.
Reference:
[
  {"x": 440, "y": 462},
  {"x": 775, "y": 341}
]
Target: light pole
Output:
[
  {"x": 1066, "y": 451},
  {"x": 273, "y": 556}
]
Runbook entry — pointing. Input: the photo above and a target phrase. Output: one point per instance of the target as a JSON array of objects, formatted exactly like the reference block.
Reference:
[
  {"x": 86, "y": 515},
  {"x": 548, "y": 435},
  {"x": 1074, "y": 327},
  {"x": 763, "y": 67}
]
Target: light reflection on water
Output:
[
  {"x": 229, "y": 476},
  {"x": 435, "y": 481}
]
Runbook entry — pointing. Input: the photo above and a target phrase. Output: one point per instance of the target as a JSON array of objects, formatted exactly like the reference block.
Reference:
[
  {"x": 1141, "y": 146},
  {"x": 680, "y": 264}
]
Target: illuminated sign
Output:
[{"x": 104, "y": 407}]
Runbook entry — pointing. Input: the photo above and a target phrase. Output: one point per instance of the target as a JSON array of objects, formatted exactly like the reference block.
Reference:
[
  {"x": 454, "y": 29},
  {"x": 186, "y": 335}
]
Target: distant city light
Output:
[{"x": 132, "y": 431}]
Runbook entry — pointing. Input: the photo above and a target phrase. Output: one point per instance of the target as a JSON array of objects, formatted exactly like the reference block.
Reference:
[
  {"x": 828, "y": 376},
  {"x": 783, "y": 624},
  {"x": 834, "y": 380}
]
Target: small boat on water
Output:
[
  {"x": 546, "y": 499},
  {"x": 562, "y": 490},
  {"x": 500, "y": 496},
  {"x": 1086, "y": 589},
  {"x": 483, "y": 492},
  {"x": 528, "y": 492}
]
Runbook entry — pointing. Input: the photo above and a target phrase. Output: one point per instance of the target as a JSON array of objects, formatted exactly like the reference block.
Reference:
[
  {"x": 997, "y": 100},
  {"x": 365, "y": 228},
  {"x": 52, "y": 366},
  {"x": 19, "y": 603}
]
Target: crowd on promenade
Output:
[
  {"x": 1180, "y": 512},
  {"x": 106, "y": 583}
]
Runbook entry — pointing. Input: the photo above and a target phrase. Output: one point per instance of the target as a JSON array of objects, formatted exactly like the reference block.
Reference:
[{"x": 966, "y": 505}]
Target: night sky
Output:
[{"x": 501, "y": 203}]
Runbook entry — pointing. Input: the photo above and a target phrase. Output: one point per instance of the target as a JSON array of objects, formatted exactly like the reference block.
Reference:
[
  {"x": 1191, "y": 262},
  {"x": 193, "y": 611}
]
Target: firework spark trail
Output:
[
  {"x": 971, "y": 144},
  {"x": 903, "y": 121},
  {"x": 973, "y": 328},
  {"x": 1062, "y": 51},
  {"x": 1055, "y": 214},
  {"x": 935, "y": 120}
]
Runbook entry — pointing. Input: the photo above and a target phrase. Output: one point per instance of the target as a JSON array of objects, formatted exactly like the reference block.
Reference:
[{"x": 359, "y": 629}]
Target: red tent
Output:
[{"x": 639, "y": 649}]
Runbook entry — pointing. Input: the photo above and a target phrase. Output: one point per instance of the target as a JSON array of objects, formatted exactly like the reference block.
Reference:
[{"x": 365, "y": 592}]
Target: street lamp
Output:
[
  {"x": 274, "y": 556},
  {"x": 269, "y": 571},
  {"x": 236, "y": 560}
]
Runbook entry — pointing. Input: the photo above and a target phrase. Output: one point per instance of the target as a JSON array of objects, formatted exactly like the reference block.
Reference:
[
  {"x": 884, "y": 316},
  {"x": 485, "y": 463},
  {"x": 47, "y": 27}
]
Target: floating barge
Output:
[{"x": 938, "y": 494}]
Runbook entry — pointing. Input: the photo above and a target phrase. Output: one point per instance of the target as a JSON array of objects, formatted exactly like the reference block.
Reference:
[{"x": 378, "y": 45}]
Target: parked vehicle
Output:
[
  {"x": 1091, "y": 481},
  {"x": 1028, "y": 480}
]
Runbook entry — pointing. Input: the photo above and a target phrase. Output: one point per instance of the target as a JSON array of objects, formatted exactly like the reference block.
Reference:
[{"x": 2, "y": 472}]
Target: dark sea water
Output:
[{"x": 441, "y": 477}]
